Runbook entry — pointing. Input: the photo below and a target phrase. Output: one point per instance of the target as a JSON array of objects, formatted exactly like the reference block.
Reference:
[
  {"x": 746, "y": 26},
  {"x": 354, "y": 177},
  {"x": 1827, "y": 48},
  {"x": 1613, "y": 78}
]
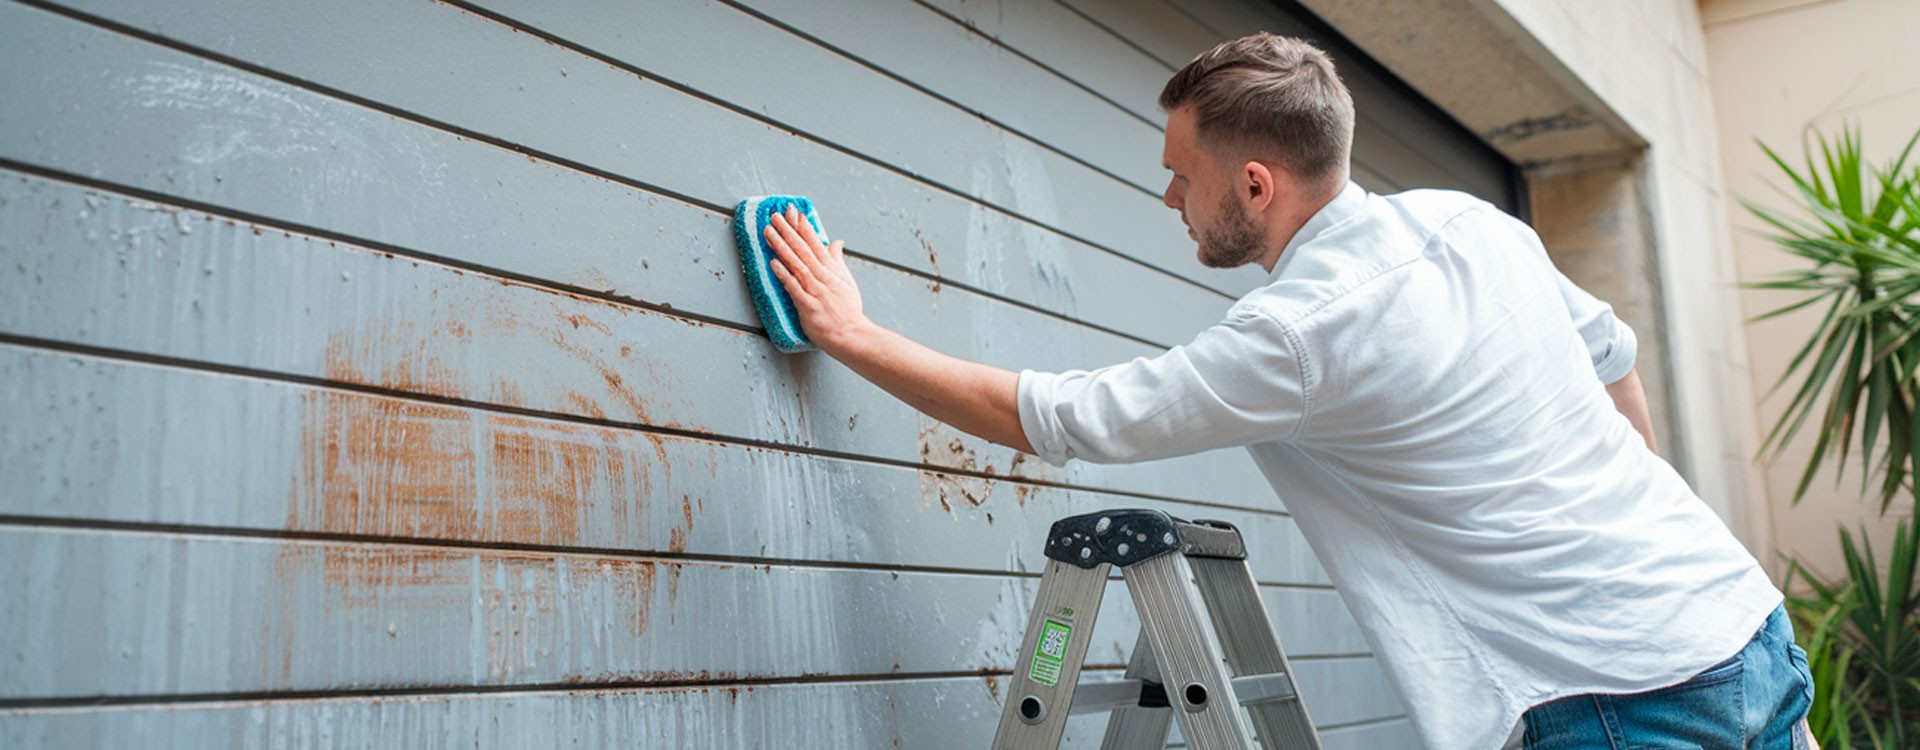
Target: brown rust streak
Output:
[
  {"x": 382, "y": 466},
  {"x": 385, "y": 467},
  {"x": 677, "y": 538},
  {"x": 541, "y": 470},
  {"x": 420, "y": 373},
  {"x": 946, "y": 486},
  {"x": 617, "y": 388}
]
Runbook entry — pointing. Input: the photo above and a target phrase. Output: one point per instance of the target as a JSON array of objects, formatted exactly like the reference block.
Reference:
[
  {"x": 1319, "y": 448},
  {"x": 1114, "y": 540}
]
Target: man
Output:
[{"x": 1456, "y": 428}]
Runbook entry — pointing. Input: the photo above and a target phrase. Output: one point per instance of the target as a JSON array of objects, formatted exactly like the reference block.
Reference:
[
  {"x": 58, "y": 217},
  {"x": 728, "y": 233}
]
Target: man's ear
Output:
[{"x": 1259, "y": 185}]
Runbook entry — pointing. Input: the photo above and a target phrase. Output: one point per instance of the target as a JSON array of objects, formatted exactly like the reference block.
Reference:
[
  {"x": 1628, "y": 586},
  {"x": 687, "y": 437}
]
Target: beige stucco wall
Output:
[
  {"x": 1646, "y": 61},
  {"x": 1777, "y": 67},
  {"x": 1607, "y": 106}
]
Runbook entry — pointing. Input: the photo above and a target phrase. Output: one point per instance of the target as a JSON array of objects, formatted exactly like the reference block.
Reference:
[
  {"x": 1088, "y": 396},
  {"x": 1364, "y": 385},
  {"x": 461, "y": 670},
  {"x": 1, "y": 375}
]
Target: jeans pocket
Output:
[
  {"x": 1730, "y": 669},
  {"x": 1798, "y": 657}
]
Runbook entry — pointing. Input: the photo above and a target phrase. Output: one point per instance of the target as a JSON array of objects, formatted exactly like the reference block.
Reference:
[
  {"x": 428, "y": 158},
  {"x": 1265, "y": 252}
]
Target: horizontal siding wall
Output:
[{"x": 380, "y": 373}]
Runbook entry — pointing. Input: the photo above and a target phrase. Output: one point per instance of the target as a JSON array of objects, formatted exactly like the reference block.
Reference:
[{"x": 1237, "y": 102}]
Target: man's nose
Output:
[{"x": 1169, "y": 198}]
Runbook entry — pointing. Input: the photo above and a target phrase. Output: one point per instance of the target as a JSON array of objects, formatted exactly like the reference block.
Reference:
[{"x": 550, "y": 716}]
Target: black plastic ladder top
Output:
[{"x": 1125, "y": 537}]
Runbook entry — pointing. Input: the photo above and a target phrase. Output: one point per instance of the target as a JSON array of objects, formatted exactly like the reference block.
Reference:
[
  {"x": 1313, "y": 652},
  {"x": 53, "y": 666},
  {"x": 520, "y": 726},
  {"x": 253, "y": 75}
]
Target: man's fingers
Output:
[
  {"x": 798, "y": 269},
  {"x": 794, "y": 288},
  {"x": 802, "y": 253},
  {"x": 807, "y": 235}
]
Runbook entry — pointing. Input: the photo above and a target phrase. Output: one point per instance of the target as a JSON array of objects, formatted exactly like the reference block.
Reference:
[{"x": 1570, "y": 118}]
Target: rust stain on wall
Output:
[
  {"x": 415, "y": 371},
  {"x": 362, "y": 575},
  {"x": 507, "y": 393},
  {"x": 616, "y": 384},
  {"x": 385, "y": 467},
  {"x": 540, "y": 472},
  {"x": 582, "y": 405},
  {"x": 941, "y": 448},
  {"x": 677, "y": 538},
  {"x": 945, "y": 488},
  {"x": 381, "y": 466},
  {"x": 617, "y": 387},
  {"x": 633, "y": 583},
  {"x": 933, "y": 260}
]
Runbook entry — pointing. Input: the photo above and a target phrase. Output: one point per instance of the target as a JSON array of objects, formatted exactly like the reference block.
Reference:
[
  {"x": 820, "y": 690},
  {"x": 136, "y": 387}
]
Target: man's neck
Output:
[{"x": 1297, "y": 215}]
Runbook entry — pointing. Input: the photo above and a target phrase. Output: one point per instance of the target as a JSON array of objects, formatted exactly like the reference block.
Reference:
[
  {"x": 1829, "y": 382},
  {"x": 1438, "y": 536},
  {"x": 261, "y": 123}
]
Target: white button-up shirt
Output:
[{"x": 1425, "y": 393}]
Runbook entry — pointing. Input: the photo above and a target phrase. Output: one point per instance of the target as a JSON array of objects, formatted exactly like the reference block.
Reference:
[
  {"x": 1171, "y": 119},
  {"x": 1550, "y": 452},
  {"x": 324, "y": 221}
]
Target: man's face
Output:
[{"x": 1206, "y": 195}]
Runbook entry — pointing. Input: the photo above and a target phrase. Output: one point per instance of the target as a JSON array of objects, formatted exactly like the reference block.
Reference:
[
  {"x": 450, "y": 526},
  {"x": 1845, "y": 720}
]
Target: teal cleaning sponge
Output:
[{"x": 750, "y": 221}]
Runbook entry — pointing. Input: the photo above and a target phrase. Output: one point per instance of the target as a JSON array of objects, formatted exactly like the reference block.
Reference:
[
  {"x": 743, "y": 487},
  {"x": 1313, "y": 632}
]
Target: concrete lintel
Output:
[{"x": 1478, "y": 63}]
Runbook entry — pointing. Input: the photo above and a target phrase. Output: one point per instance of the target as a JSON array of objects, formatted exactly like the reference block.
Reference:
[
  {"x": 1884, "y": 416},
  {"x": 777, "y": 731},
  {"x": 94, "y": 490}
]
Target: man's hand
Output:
[
  {"x": 816, "y": 277},
  {"x": 979, "y": 399}
]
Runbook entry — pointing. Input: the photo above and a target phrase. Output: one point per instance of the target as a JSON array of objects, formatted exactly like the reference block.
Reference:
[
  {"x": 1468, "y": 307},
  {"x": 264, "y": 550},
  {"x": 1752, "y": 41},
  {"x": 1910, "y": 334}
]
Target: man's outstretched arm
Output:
[{"x": 975, "y": 398}]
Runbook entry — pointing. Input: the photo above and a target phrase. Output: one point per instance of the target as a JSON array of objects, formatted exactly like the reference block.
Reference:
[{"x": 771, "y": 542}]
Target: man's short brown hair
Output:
[{"x": 1270, "y": 98}]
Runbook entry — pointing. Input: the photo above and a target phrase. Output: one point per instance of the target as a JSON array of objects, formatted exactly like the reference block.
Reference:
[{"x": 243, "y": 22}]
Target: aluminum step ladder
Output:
[{"x": 1206, "y": 646}]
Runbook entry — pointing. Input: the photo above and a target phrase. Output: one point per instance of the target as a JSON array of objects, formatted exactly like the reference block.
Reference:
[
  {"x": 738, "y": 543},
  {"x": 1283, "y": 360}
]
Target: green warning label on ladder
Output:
[{"x": 1051, "y": 653}]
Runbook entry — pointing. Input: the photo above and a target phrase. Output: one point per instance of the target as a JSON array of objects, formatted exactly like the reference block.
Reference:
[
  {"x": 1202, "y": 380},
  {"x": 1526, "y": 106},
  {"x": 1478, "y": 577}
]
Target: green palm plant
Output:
[
  {"x": 1860, "y": 228},
  {"x": 1862, "y": 637}
]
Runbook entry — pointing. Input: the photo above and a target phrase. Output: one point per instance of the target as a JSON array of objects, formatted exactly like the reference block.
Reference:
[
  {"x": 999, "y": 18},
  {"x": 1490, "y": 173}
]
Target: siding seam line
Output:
[
  {"x": 715, "y": 101},
  {"x": 191, "y": 531},
  {"x": 547, "y": 285},
  {"x": 930, "y": 93},
  {"x": 584, "y": 168},
  {"x": 183, "y": 363}
]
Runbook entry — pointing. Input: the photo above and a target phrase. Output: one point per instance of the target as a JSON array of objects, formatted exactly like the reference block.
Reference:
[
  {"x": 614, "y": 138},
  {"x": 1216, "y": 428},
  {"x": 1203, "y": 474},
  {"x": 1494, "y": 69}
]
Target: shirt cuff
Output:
[
  {"x": 1619, "y": 359},
  {"x": 1037, "y": 417}
]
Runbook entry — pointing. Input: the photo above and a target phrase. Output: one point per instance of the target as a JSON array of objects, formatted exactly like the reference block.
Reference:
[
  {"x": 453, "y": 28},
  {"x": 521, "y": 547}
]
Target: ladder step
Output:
[{"x": 1107, "y": 695}]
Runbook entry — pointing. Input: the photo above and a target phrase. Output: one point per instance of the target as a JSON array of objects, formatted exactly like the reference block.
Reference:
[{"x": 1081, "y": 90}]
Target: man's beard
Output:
[{"x": 1232, "y": 243}]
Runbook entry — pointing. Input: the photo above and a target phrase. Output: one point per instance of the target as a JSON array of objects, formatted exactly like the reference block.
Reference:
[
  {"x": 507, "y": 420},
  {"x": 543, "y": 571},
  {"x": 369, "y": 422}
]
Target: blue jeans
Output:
[{"x": 1753, "y": 700}]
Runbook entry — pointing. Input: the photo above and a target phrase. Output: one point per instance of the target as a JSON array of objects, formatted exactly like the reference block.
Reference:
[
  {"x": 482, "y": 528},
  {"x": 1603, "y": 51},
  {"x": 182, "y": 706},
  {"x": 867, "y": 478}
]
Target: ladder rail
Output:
[
  {"x": 1041, "y": 692},
  {"x": 1253, "y": 648},
  {"x": 1185, "y": 643}
]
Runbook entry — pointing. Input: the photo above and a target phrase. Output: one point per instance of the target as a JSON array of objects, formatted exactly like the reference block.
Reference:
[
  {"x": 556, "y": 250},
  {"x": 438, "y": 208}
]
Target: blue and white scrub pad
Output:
[{"x": 750, "y": 221}]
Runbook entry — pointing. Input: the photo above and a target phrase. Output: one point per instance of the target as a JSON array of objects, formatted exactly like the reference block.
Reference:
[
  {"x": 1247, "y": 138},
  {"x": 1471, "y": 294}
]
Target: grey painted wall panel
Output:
[
  {"x": 1054, "y": 35},
  {"x": 1165, "y": 33},
  {"x": 725, "y": 53},
  {"x": 624, "y": 123},
  {"x": 948, "y": 712},
  {"x": 189, "y": 449},
  {"x": 132, "y": 275},
  {"x": 923, "y": 46},
  {"x": 184, "y": 614},
  {"x": 369, "y": 175}
]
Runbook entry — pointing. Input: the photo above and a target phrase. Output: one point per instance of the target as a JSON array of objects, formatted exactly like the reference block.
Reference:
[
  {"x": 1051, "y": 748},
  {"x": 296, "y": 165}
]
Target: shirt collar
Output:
[{"x": 1349, "y": 202}]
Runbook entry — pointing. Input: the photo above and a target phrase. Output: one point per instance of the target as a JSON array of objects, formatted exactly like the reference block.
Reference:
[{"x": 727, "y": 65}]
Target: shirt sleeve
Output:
[
  {"x": 1610, "y": 343},
  {"x": 1241, "y": 381}
]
